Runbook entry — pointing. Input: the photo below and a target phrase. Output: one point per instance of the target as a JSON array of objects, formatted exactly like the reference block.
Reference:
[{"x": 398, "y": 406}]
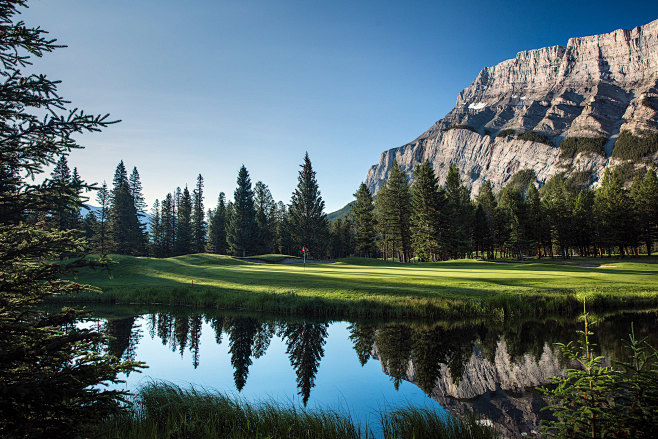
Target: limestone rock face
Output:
[
  {"x": 500, "y": 390},
  {"x": 596, "y": 86}
]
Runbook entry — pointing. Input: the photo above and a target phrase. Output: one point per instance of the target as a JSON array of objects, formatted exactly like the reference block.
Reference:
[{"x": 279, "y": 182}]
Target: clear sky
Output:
[{"x": 205, "y": 86}]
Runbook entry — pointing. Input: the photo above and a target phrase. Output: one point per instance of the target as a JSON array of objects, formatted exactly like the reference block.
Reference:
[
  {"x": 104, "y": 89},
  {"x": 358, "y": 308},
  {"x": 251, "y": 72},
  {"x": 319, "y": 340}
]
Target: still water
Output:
[{"x": 361, "y": 367}]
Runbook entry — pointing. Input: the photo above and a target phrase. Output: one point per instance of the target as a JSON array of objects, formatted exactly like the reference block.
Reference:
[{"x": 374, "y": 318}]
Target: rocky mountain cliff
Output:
[
  {"x": 499, "y": 390},
  {"x": 588, "y": 92}
]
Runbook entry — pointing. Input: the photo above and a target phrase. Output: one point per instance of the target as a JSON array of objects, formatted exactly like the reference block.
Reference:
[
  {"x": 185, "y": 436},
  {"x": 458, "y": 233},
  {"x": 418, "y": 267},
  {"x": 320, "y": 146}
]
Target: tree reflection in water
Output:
[{"x": 416, "y": 352}]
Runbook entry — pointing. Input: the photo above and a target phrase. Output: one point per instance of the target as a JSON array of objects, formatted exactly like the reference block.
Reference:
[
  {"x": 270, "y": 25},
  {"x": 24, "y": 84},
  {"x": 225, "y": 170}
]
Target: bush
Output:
[
  {"x": 631, "y": 147},
  {"x": 597, "y": 401},
  {"x": 534, "y": 136},
  {"x": 572, "y": 146},
  {"x": 506, "y": 132}
]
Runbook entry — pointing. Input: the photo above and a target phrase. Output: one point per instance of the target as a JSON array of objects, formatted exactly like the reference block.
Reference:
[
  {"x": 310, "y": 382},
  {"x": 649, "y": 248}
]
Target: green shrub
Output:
[
  {"x": 506, "y": 132},
  {"x": 572, "y": 146},
  {"x": 534, "y": 136},
  {"x": 627, "y": 172},
  {"x": 597, "y": 401},
  {"x": 631, "y": 147}
]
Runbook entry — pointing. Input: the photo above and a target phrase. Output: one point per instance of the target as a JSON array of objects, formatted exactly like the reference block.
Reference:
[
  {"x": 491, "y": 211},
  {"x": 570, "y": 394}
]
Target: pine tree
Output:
[
  {"x": 167, "y": 220},
  {"x": 646, "y": 205},
  {"x": 50, "y": 368},
  {"x": 459, "y": 215},
  {"x": 157, "y": 235},
  {"x": 125, "y": 229},
  {"x": 308, "y": 222},
  {"x": 65, "y": 213},
  {"x": 217, "y": 232},
  {"x": 265, "y": 222},
  {"x": 135, "y": 186},
  {"x": 612, "y": 206},
  {"x": 583, "y": 224},
  {"x": 242, "y": 231},
  {"x": 394, "y": 210},
  {"x": 183, "y": 243},
  {"x": 199, "y": 226},
  {"x": 305, "y": 348},
  {"x": 558, "y": 200},
  {"x": 536, "y": 217},
  {"x": 363, "y": 213},
  {"x": 103, "y": 215},
  {"x": 513, "y": 204},
  {"x": 425, "y": 217}
]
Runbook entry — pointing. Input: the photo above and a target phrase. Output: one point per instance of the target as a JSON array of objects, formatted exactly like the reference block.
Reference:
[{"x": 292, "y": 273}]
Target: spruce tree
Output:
[
  {"x": 65, "y": 212},
  {"x": 425, "y": 217},
  {"x": 363, "y": 214},
  {"x": 241, "y": 234},
  {"x": 157, "y": 236},
  {"x": 135, "y": 186},
  {"x": 459, "y": 215},
  {"x": 125, "y": 229},
  {"x": 645, "y": 199},
  {"x": 265, "y": 223},
  {"x": 168, "y": 225},
  {"x": 394, "y": 210},
  {"x": 51, "y": 373},
  {"x": 308, "y": 222},
  {"x": 485, "y": 220},
  {"x": 103, "y": 215},
  {"x": 183, "y": 243},
  {"x": 558, "y": 200},
  {"x": 199, "y": 226},
  {"x": 217, "y": 232},
  {"x": 612, "y": 206}
]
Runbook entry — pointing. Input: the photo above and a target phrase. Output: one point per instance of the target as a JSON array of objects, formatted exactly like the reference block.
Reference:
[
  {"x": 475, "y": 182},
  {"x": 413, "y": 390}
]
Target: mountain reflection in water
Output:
[{"x": 488, "y": 367}]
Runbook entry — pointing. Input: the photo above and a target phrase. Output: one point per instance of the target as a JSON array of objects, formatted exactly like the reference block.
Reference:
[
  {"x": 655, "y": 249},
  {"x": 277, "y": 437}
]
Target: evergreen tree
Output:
[
  {"x": 485, "y": 220},
  {"x": 459, "y": 215},
  {"x": 157, "y": 235},
  {"x": 183, "y": 243},
  {"x": 125, "y": 229},
  {"x": 513, "y": 204},
  {"x": 558, "y": 201},
  {"x": 612, "y": 206},
  {"x": 199, "y": 226},
  {"x": 65, "y": 212},
  {"x": 265, "y": 220},
  {"x": 363, "y": 338},
  {"x": 425, "y": 217},
  {"x": 394, "y": 209},
  {"x": 583, "y": 222},
  {"x": 50, "y": 368},
  {"x": 363, "y": 214},
  {"x": 217, "y": 233},
  {"x": 646, "y": 205},
  {"x": 394, "y": 349},
  {"x": 537, "y": 225},
  {"x": 284, "y": 241},
  {"x": 241, "y": 333},
  {"x": 241, "y": 234},
  {"x": 168, "y": 225},
  {"x": 135, "y": 186},
  {"x": 308, "y": 222},
  {"x": 103, "y": 215}
]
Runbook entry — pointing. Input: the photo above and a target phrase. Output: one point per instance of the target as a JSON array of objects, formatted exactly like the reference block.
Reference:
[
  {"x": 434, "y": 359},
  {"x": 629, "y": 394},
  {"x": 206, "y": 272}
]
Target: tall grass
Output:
[{"x": 162, "y": 410}]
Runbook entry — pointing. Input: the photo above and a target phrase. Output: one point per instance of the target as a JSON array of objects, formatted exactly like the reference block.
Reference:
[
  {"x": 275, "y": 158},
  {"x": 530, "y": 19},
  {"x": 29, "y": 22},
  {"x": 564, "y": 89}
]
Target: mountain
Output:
[
  {"x": 573, "y": 110},
  {"x": 341, "y": 213}
]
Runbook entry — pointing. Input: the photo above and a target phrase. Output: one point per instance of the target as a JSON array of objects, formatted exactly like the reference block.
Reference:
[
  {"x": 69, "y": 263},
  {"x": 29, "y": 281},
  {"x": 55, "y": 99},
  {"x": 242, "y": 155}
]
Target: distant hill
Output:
[
  {"x": 340, "y": 213},
  {"x": 145, "y": 218}
]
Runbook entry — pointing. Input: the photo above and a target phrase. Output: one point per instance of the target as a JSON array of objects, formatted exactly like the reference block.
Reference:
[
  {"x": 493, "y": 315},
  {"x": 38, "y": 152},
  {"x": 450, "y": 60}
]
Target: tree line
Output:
[
  {"x": 429, "y": 222},
  {"x": 420, "y": 220}
]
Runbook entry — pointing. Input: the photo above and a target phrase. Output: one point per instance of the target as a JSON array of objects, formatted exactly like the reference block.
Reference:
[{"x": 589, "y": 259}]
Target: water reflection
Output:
[{"x": 489, "y": 367}]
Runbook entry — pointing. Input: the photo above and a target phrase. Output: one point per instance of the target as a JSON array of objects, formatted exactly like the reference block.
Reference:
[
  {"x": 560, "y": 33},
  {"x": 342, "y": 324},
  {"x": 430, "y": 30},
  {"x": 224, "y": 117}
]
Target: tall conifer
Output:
[
  {"x": 183, "y": 243},
  {"x": 199, "y": 226},
  {"x": 364, "y": 223},
  {"x": 241, "y": 233},
  {"x": 308, "y": 222},
  {"x": 425, "y": 217},
  {"x": 394, "y": 208},
  {"x": 217, "y": 232}
]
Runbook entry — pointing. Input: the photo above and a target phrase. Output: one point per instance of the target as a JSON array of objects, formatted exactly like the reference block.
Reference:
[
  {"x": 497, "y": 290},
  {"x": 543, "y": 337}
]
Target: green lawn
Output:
[{"x": 376, "y": 288}]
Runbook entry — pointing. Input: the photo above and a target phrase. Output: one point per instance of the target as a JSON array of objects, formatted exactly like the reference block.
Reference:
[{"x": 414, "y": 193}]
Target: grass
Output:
[
  {"x": 163, "y": 410},
  {"x": 357, "y": 287},
  {"x": 271, "y": 258}
]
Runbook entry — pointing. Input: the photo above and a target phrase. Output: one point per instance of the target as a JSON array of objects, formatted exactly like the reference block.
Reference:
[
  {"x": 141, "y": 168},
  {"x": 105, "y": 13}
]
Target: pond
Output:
[{"x": 361, "y": 367}]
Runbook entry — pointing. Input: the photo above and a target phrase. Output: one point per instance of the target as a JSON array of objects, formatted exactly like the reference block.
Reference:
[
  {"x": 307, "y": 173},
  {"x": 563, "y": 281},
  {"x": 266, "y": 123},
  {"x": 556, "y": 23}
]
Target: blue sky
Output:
[{"x": 205, "y": 86}]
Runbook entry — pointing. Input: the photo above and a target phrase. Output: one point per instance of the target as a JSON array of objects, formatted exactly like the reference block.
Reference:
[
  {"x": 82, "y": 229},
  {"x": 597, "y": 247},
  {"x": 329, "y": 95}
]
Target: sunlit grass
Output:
[{"x": 366, "y": 287}]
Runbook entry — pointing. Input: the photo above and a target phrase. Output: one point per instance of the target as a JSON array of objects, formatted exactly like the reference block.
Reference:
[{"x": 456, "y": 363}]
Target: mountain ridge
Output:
[{"x": 590, "y": 91}]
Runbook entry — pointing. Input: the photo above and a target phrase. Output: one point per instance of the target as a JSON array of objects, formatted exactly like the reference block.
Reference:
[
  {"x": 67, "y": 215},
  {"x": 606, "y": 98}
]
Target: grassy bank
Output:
[
  {"x": 373, "y": 288},
  {"x": 167, "y": 411}
]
